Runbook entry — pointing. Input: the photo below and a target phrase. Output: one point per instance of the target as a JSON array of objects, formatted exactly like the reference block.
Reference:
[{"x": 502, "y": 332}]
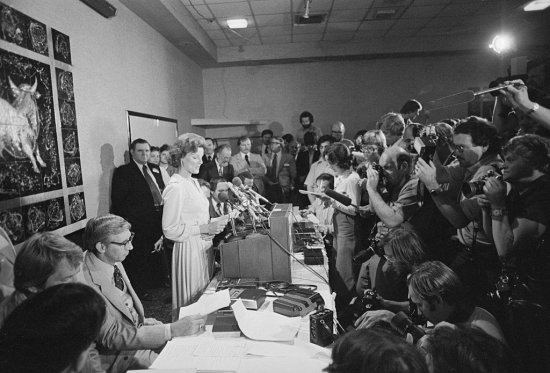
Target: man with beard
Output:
[{"x": 306, "y": 122}]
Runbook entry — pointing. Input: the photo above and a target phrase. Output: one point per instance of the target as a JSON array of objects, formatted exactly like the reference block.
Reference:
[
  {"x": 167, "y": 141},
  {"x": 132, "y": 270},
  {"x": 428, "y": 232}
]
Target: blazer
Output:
[
  {"x": 285, "y": 159},
  {"x": 257, "y": 168},
  {"x": 119, "y": 337},
  {"x": 132, "y": 199},
  {"x": 209, "y": 170}
]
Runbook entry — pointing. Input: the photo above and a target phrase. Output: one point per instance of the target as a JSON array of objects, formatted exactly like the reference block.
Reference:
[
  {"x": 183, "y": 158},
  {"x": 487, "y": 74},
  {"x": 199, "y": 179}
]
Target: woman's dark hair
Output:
[
  {"x": 483, "y": 133},
  {"x": 410, "y": 106},
  {"x": 375, "y": 350},
  {"x": 468, "y": 349},
  {"x": 49, "y": 331},
  {"x": 155, "y": 149},
  {"x": 338, "y": 154}
]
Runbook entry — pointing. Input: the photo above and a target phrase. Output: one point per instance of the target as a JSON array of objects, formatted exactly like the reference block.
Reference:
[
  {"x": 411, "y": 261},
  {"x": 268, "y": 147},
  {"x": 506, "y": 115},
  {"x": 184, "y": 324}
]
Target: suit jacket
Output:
[
  {"x": 209, "y": 170},
  {"x": 260, "y": 149},
  {"x": 303, "y": 165},
  {"x": 257, "y": 168},
  {"x": 286, "y": 161},
  {"x": 119, "y": 337},
  {"x": 205, "y": 160},
  {"x": 132, "y": 199}
]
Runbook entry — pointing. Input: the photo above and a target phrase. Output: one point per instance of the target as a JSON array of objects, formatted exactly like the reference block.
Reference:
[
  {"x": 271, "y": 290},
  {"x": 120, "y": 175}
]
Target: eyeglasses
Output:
[{"x": 125, "y": 243}]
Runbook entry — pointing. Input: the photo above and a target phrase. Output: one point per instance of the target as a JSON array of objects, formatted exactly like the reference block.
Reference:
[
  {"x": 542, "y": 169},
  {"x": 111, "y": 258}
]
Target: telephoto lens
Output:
[{"x": 403, "y": 325}]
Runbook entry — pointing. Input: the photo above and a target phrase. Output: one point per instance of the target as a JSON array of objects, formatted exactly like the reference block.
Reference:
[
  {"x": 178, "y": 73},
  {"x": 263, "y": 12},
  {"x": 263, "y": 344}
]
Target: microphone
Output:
[
  {"x": 239, "y": 184},
  {"x": 344, "y": 200}
]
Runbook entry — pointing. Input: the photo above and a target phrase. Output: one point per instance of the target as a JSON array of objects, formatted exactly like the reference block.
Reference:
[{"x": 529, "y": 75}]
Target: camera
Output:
[
  {"x": 425, "y": 145},
  {"x": 474, "y": 188},
  {"x": 403, "y": 325},
  {"x": 365, "y": 254},
  {"x": 321, "y": 326},
  {"x": 382, "y": 181}
]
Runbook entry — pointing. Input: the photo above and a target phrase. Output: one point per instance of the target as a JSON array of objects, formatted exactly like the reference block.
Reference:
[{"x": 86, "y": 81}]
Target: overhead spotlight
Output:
[
  {"x": 306, "y": 12},
  {"x": 536, "y": 5},
  {"x": 237, "y": 23},
  {"x": 501, "y": 43}
]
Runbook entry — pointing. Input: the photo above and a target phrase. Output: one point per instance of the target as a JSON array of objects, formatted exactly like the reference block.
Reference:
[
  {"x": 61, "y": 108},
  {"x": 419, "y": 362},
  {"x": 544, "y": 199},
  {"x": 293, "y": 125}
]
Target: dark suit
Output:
[
  {"x": 205, "y": 159},
  {"x": 132, "y": 199},
  {"x": 303, "y": 165},
  {"x": 274, "y": 190},
  {"x": 214, "y": 214},
  {"x": 209, "y": 171}
]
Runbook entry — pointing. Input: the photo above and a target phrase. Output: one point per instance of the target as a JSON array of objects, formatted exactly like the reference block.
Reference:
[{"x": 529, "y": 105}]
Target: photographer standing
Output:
[
  {"x": 401, "y": 203},
  {"x": 476, "y": 150},
  {"x": 520, "y": 217}
]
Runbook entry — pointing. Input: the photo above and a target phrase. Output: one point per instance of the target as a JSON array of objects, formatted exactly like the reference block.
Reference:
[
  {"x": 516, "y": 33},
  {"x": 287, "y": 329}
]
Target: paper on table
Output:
[
  {"x": 181, "y": 353},
  {"x": 265, "y": 326},
  {"x": 278, "y": 365},
  {"x": 207, "y": 304},
  {"x": 298, "y": 349}
]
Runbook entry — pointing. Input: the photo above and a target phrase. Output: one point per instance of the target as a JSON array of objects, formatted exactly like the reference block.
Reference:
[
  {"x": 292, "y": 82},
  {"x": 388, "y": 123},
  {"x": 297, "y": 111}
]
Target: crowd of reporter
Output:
[{"x": 458, "y": 215}]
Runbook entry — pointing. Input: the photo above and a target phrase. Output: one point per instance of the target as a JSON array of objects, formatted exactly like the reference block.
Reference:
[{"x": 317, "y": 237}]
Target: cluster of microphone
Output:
[{"x": 245, "y": 199}]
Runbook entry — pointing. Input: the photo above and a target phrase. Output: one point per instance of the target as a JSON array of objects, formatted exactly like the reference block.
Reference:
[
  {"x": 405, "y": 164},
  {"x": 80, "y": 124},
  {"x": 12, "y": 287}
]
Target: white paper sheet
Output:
[
  {"x": 298, "y": 349},
  {"x": 265, "y": 326},
  {"x": 207, "y": 304},
  {"x": 203, "y": 354},
  {"x": 278, "y": 365}
]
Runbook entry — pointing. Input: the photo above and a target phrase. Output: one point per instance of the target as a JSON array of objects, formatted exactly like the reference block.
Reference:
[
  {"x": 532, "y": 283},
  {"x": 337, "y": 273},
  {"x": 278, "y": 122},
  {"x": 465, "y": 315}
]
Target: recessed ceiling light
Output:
[
  {"x": 535, "y": 5},
  {"x": 237, "y": 23}
]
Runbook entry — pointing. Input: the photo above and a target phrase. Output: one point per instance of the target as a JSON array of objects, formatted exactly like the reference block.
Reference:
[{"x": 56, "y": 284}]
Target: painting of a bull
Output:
[{"x": 20, "y": 124}]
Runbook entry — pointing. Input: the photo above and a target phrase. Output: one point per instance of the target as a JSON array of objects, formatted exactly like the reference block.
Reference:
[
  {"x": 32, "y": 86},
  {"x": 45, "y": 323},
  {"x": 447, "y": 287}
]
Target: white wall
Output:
[
  {"x": 355, "y": 92},
  {"x": 119, "y": 64}
]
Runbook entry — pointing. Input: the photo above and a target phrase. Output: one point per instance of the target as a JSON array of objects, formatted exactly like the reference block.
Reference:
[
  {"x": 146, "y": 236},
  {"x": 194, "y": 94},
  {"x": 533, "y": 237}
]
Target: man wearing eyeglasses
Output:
[
  {"x": 476, "y": 149},
  {"x": 126, "y": 338}
]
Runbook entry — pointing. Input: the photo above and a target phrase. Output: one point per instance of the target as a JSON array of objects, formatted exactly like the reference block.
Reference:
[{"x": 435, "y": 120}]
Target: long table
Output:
[{"x": 203, "y": 352}]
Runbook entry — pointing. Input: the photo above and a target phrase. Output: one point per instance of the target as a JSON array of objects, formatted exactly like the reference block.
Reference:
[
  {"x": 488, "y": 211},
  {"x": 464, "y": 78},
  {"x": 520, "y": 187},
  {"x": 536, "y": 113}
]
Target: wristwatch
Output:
[
  {"x": 436, "y": 191},
  {"x": 533, "y": 109},
  {"x": 498, "y": 213}
]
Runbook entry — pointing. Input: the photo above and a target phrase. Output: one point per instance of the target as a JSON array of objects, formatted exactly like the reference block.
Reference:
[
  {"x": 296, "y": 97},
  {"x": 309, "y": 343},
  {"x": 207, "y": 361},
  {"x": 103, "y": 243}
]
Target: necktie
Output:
[
  {"x": 220, "y": 170},
  {"x": 209, "y": 158},
  {"x": 219, "y": 206},
  {"x": 274, "y": 167},
  {"x": 246, "y": 159},
  {"x": 119, "y": 283},
  {"x": 157, "y": 198},
  {"x": 225, "y": 209},
  {"x": 266, "y": 150}
]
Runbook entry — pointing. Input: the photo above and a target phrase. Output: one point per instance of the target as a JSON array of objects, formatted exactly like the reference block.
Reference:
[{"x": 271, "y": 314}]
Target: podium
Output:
[{"x": 258, "y": 256}]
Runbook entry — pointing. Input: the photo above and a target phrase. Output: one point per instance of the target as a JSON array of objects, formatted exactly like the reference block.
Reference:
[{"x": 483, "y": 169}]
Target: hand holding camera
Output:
[
  {"x": 495, "y": 191},
  {"x": 426, "y": 173}
]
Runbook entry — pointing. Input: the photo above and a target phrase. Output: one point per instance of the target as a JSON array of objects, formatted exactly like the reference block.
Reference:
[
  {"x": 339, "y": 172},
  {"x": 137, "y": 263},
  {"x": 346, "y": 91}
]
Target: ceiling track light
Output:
[{"x": 306, "y": 12}]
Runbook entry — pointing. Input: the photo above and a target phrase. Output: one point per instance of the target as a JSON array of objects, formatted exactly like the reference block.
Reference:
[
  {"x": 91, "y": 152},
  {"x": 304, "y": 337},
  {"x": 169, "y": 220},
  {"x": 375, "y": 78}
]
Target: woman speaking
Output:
[{"x": 186, "y": 221}]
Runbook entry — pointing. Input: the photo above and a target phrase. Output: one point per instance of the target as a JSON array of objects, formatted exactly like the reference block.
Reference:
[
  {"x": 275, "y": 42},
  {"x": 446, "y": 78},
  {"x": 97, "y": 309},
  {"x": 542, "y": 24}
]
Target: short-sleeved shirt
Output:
[
  {"x": 348, "y": 185},
  {"x": 405, "y": 205},
  {"x": 316, "y": 169},
  {"x": 533, "y": 203}
]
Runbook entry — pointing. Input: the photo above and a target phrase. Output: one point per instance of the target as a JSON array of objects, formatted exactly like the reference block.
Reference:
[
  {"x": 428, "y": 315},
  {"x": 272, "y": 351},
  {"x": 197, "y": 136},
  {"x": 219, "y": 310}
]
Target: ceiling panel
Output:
[
  {"x": 465, "y": 9},
  {"x": 227, "y": 10},
  {"x": 309, "y": 29},
  {"x": 347, "y": 15},
  {"x": 376, "y": 25},
  {"x": 270, "y": 6},
  {"x": 275, "y": 30},
  {"x": 273, "y": 20},
  {"x": 352, "y": 4},
  {"x": 300, "y": 38},
  {"x": 276, "y": 39},
  {"x": 343, "y": 26},
  {"x": 422, "y": 11},
  {"x": 316, "y": 6},
  {"x": 338, "y": 36}
]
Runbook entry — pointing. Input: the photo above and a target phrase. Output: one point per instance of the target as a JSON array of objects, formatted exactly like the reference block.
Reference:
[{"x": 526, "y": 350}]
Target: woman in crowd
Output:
[
  {"x": 165, "y": 168},
  {"x": 387, "y": 274},
  {"x": 186, "y": 221},
  {"x": 346, "y": 182}
]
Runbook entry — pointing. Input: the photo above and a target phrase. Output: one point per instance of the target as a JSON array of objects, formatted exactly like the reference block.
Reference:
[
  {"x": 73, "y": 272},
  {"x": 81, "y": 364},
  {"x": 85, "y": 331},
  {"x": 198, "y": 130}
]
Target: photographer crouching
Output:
[
  {"x": 476, "y": 148},
  {"x": 518, "y": 220}
]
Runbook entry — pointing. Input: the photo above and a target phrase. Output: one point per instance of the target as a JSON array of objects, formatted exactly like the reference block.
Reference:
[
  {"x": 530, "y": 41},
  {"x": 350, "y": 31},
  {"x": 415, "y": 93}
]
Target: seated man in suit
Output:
[
  {"x": 247, "y": 161},
  {"x": 127, "y": 337},
  {"x": 44, "y": 260},
  {"x": 220, "y": 167},
  {"x": 278, "y": 163}
]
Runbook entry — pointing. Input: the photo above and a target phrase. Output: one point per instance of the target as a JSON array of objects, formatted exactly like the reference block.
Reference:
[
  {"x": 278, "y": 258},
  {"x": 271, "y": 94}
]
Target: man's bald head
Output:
[
  {"x": 396, "y": 154},
  {"x": 338, "y": 130},
  {"x": 396, "y": 163}
]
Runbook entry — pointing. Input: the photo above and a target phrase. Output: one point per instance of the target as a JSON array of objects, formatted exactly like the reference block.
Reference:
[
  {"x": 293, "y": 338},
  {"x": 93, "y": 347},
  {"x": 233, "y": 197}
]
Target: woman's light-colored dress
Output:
[{"x": 185, "y": 208}]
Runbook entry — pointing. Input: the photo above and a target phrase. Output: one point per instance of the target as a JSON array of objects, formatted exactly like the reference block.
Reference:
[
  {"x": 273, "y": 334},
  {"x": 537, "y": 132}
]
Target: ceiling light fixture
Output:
[
  {"x": 306, "y": 12},
  {"x": 501, "y": 43},
  {"x": 237, "y": 23},
  {"x": 536, "y": 5}
]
